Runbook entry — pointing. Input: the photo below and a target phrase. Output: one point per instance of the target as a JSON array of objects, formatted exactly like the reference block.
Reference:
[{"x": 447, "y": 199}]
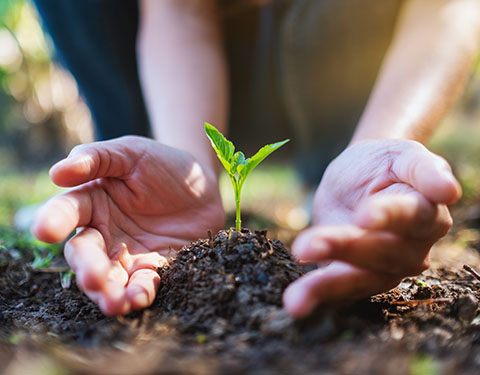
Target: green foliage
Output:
[
  {"x": 27, "y": 247},
  {"x": 42, "y": 259},
  {"x": 420, "y": 282},
  {"x": 237, "y": 166}
]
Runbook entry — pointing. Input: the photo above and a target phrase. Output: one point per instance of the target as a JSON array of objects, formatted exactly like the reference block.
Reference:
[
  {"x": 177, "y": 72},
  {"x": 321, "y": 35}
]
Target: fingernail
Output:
[{"x": 73, "y": 160}]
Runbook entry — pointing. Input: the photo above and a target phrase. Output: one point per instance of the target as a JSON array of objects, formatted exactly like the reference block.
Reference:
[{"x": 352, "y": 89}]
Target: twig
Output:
[
  {"x": 210, "y": 239},
  {"x": 421, "y": 301},
  {"x": 469, "y": 269}
]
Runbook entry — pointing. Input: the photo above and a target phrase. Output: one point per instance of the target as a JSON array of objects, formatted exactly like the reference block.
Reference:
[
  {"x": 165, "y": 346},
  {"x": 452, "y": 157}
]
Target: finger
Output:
[
  {"x": 88, "y": 162},
  {"x": 378, "y": 251},
  {"x": 142, "y": 288},
  {"x": 86, "y": 254},
  {"x": 113, "y": 299},
  {"x": 336, "y": 282},
  {"x": 428, "y": 173},
  {"x": 410, "y": 215},
  {"x": 58, "y": 217},
  {"x": 136, "y": 258},
  {"x": 101, "y": 279}
]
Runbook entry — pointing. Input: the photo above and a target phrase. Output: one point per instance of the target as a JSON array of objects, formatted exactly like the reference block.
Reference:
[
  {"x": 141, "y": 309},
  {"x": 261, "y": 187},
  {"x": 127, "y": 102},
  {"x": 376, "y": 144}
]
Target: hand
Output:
[
  {"x": 380, "y": 207},
  {"x": 134, "y": 200}
]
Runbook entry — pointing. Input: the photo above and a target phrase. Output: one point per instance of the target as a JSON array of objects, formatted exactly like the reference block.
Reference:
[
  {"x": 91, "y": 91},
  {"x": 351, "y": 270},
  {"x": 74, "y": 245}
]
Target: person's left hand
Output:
[{"x": 380, "y": 207}]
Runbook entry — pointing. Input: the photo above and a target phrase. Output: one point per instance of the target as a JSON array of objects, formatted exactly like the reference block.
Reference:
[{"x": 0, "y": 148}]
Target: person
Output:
[{"x": 381, "y": 203}]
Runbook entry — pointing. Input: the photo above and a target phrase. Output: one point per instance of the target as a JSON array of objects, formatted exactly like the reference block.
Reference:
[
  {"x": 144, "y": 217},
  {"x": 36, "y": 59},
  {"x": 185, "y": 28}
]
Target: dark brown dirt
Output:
[
  {"x": 228, "y": 283},
  {"x": 33, "y": 301},
  {"x": 219, "y": 311}
]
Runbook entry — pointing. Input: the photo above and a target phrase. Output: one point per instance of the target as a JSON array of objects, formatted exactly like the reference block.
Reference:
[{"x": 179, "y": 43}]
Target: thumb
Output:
[
  {"x": 114, "y": 158},
  {"x": 428, "y": 173}
]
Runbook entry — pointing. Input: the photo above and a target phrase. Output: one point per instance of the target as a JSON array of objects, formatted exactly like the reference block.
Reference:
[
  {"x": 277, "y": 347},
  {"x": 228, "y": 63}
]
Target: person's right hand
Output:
[
  {"x": 134, "y": 200},
  {"x": 380, "y": 207}
]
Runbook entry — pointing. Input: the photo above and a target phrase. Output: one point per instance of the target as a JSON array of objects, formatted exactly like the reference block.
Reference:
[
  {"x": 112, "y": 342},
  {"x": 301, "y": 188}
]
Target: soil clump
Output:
[{"x": 227, "y": 283}]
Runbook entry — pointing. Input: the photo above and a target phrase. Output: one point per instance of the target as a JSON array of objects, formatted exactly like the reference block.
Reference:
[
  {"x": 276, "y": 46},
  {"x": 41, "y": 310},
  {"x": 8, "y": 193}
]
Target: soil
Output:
[
  {"x": 227, "y": 284},
  {"x": 219, "y": 311}
]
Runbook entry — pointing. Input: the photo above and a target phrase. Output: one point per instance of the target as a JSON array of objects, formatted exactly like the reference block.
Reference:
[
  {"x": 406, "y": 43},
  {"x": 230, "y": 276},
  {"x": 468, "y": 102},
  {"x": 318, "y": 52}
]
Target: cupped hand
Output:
[
  {"x": 133, "y": 201},
  {"x": 379, "y": 208}
]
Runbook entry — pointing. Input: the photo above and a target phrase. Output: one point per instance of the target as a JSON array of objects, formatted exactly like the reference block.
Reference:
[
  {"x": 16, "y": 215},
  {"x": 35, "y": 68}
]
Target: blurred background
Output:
[{"x": 42, "y": 116}]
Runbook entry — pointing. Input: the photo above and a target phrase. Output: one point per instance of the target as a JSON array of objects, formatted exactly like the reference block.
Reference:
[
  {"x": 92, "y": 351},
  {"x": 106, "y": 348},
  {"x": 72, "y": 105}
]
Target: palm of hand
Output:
[{"x": 141, "y": 200}]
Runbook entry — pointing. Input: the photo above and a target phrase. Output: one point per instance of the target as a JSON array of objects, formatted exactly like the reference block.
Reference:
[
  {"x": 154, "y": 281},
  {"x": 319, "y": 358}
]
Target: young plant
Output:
[{"x": 238, "y": 168}]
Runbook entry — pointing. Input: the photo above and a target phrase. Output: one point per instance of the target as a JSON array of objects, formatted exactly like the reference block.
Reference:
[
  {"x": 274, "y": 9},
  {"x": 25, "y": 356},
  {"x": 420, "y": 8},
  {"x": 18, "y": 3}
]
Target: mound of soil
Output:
[{"x": 228, "y": 283}]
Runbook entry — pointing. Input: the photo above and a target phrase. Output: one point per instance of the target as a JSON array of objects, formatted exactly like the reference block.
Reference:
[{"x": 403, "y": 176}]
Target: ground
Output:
[{"x": 427, "y": 325}]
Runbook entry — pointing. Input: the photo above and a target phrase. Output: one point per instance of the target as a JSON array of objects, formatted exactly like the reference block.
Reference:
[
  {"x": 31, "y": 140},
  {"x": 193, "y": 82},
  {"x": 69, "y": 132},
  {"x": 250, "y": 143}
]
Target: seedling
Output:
[
  {"x": 238, "y": 168},
  {"x": 41, "y": 260},
  {"x": 66, "y": 279}
]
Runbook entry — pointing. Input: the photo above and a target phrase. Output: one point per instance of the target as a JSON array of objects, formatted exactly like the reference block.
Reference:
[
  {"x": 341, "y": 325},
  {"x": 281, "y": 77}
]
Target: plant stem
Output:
[
  {"x": 238, "y": 220},
  {"x": 237, "y": 188}
]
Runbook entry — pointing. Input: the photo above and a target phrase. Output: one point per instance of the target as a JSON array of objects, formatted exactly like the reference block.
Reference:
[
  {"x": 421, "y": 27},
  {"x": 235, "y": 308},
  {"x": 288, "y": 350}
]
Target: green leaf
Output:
[
  {"x": 259, "y": 157},
  {"x": 41, "y": 261},
  {"x": 241, "y": 168},
  {"x": 235, "y": 163},
  {"x": 222, "y": 146},
  {"x": 238, "y": 160}
]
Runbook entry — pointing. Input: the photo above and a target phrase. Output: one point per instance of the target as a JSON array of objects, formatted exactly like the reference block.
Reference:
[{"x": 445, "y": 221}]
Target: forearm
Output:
[
  {"x": 183, "y": 72},
  {"x": 425, "y": 70}
]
